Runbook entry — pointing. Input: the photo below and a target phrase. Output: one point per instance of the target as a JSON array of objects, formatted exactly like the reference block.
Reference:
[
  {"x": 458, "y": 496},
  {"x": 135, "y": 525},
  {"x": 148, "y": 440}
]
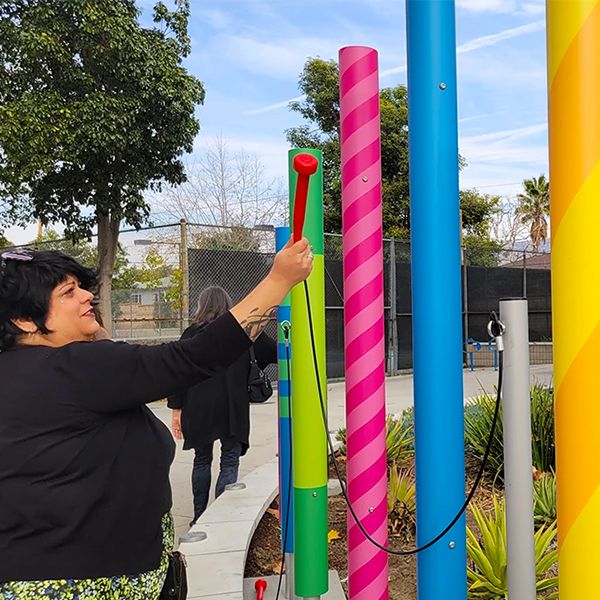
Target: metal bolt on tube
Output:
[{"x": 518, "y": 483}]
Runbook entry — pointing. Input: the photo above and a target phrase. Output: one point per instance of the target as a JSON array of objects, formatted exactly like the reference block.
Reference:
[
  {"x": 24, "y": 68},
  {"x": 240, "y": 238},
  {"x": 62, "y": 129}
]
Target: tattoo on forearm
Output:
[{"x": 255, "y": 322}]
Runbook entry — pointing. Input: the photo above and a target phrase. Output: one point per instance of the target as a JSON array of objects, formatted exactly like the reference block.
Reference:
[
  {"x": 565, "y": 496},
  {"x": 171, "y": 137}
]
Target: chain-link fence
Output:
[{"x": 161, "y": 271}]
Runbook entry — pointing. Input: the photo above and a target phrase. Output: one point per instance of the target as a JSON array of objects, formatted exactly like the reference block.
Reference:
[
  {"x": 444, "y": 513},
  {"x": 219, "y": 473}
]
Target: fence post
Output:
[
  {"x": 185, "y": 276},
  {"x": 524, "y": 274},
  {"x": 465, "y": 291},
  {"x": 393, "y": 349}
]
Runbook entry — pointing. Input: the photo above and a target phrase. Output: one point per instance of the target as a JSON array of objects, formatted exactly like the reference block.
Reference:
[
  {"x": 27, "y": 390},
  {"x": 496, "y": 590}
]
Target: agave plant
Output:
[
  {"x": 487, "y": 568},
  {"x": 542, "y": 428},
  {"x": 399, "y": 439},
  {"x": 478, "y": 423},
  {"x": 544, "y": 499},
  {"x": 401, "y": 502}
]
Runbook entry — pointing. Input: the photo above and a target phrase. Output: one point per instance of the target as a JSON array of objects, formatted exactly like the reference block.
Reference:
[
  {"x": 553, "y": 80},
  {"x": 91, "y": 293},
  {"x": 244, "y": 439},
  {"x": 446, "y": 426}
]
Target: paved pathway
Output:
[{"x": 263, "y": 439}]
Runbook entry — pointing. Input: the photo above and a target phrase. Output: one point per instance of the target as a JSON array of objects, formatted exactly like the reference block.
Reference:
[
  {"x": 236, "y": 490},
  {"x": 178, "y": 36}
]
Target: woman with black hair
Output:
[
  {"x": 84, "y": 464},
  {"x": 217, "y": 408}
]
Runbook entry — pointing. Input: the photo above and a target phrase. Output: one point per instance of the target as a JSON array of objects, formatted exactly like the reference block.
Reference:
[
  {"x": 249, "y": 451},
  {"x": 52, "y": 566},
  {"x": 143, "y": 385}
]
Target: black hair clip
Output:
[{"x": 19, "y": 254}]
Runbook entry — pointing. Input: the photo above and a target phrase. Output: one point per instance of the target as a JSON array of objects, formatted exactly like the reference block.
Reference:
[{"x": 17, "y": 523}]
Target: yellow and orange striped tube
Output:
[{"x": 574, "y": 126}]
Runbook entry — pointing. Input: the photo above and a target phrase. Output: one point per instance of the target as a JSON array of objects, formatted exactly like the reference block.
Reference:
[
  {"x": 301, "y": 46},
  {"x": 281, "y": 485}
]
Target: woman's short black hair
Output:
[{"x": 27, "y": 278}]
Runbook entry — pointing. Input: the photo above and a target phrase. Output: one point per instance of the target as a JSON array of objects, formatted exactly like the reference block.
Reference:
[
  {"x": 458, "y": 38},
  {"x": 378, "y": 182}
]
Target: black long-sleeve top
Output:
[
  {"x": 219, "y": 407},
  {"x": 84, "y": 464}
]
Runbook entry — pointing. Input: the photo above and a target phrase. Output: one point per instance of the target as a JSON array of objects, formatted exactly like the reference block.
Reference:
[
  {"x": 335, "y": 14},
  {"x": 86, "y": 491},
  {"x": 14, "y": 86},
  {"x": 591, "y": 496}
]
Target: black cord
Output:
[
  {"x": 343, "y": 484},
  {"x": 286, "y": 334}
]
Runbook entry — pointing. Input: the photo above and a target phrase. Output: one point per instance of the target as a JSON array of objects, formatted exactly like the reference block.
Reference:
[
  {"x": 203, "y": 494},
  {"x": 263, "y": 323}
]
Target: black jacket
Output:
[
  {"x": 84, "y": 465},
  {"x": 219, "y": 407}
]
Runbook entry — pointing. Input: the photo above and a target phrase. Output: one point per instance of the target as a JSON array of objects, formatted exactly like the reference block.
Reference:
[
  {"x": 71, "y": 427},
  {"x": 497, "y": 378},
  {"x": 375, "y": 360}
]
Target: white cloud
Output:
[
  {"x": 393, "y": 71},
  {"x": 532, "y": 8},
  {"x": 466, "y": 48},
  {"x": 508, "y": 134},
  {"x": 480, "y": 6},
  {"x": 495, "y": 38},
  {"x": 477, "y": 117},
  {"x": 516, "y": 77},
  {"x": 281, "y": 59},
  {"x": 504, "y": 150},
  {"x": 528, "y": 7},
  {"x": 215, "y": 18},
  {"x": 498, "y": 178},
  {"x": 275, "y": 106}
]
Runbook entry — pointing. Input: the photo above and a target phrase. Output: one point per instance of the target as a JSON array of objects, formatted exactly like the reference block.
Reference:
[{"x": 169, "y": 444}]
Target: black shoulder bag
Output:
[
  {"x": 259, "y": 384},
  {"x": 175, "y": 586}
]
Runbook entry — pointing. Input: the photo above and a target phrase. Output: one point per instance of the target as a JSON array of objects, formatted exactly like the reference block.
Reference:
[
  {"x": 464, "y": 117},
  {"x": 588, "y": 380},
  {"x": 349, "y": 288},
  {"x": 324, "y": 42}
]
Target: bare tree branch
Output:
[{"x": 224, "y": 188}]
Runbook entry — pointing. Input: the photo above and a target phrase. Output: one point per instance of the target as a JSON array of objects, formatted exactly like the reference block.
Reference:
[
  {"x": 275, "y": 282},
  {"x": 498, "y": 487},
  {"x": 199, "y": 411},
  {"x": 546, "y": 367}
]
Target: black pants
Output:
[{"x": 201, "y": 473}]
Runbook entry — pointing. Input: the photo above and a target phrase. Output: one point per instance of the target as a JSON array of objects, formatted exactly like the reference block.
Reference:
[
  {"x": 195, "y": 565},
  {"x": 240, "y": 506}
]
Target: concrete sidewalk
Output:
[{"x": 263, "y": 438}]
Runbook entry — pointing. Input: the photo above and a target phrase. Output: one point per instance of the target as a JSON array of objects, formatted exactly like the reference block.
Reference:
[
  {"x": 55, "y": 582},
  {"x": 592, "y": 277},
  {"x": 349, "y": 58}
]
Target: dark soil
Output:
[{"x": 264, "y": 555}]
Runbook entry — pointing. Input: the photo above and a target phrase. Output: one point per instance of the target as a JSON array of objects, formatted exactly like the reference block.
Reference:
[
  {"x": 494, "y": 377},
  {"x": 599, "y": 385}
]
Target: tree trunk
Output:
[{"x": 108, "y": 237}]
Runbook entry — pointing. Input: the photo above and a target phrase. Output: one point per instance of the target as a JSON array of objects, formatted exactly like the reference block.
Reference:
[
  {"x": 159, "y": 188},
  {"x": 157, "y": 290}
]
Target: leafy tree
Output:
[
  {"x": 4, "y": 242},
  {"x": 94, "y": 109},
  {"x": 319, "y": 84},
  {"x": 478, "y": 212},
  {"x": 534, "y": 208},
  {"x": 86, "y": 253},
  {"x": 154, "y": 273}
]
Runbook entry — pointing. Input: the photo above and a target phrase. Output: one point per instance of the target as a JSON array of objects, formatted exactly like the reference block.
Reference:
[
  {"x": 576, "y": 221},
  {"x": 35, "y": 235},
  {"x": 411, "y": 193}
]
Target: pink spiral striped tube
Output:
[{"x": 363, "y": 320}]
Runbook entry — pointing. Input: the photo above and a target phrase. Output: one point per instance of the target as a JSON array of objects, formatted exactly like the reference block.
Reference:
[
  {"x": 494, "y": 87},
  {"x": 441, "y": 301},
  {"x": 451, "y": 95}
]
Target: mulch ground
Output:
[{"x": 264, "y": 556}]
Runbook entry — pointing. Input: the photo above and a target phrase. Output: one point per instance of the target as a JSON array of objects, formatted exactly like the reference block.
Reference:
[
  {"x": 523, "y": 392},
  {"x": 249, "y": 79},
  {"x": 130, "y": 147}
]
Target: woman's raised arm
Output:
[{"x": 292, "y": 265}]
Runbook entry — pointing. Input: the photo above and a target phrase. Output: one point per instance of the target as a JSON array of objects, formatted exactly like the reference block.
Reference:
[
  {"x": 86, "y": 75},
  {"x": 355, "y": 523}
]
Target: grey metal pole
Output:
[
  {"x": 518, "y": 483},
  {"x": 289, "y": 576},
  {"x": 393, "y": 354}
]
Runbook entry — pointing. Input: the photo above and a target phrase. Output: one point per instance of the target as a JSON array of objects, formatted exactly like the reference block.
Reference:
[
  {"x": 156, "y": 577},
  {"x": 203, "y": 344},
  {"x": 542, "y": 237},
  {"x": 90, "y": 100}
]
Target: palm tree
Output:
[{"x": 534, "y": 207}]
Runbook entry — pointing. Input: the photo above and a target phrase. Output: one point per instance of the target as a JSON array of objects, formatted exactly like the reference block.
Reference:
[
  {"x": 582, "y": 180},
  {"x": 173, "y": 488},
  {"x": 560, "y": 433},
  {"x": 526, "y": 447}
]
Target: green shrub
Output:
[
  {"x": 399, "y": 439},
  {"x": 544, "y": 499},
  {"x": 478, "y": 423},
  {"x": 487, "y": 565}
]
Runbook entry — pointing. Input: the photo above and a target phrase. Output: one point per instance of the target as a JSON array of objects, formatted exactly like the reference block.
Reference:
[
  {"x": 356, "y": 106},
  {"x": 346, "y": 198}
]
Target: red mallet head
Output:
[
  {"x": 305, "y": 165},
  {"x": 260, "y": 586}
]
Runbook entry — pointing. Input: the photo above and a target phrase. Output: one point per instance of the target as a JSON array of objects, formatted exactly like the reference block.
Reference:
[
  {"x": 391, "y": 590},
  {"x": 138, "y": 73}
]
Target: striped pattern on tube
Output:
[
  {"x": 574, "y": 125},
  {"x": 363, "y": 320}
]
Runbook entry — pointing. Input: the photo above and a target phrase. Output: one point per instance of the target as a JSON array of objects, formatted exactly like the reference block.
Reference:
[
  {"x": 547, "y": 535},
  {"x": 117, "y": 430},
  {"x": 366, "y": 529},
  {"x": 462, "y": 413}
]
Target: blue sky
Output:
[{"x": 249, "y": 54}]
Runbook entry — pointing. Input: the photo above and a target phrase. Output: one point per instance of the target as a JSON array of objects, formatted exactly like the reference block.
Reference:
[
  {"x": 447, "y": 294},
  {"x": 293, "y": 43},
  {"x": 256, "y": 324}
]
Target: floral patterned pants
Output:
[{"x": 143, "y": 586}]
